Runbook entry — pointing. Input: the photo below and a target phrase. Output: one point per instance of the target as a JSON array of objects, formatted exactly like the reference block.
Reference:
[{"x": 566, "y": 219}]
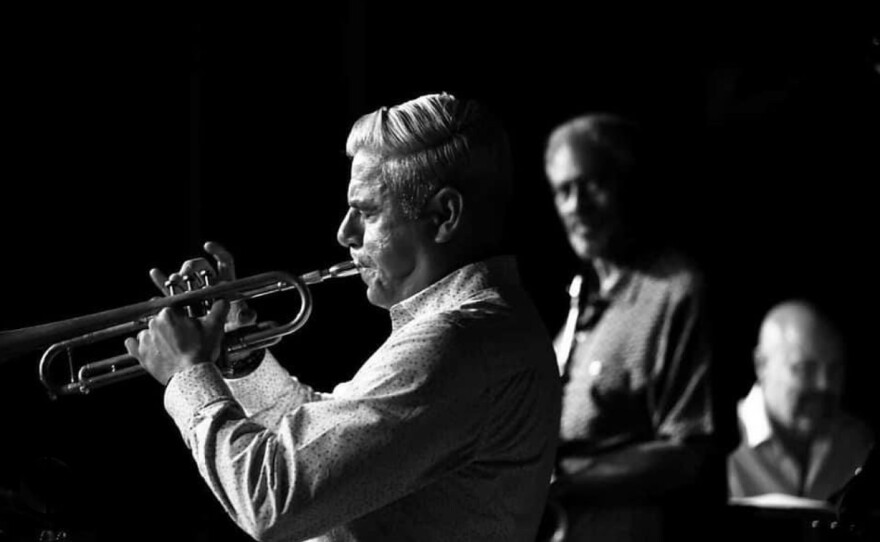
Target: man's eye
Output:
[
  {"x": 564, "y": 191},
  {"x": 799, "y": 370}
]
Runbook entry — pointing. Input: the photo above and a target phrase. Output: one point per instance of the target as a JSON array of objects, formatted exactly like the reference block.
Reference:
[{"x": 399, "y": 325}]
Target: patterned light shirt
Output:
[
  {"x": 636, "y": 366},
  {"x": 760, "y": 465},
  {"x": 447, "y": 432}
]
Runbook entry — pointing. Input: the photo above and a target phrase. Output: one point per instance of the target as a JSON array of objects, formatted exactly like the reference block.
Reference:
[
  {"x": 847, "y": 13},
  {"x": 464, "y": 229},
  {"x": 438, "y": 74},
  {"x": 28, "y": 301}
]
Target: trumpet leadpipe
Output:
[{"x": 338, "y": 271}]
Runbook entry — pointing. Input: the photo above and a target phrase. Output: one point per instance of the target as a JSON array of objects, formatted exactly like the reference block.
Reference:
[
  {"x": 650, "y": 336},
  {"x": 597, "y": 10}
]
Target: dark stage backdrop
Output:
[{"x": 131, "y": 138}]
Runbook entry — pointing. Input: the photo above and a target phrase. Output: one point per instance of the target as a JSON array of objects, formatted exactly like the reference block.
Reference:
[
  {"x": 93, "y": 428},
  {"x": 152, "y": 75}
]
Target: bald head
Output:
[
  {"x": 799, "y": 362},
  {"x": 799, "y": 324}
]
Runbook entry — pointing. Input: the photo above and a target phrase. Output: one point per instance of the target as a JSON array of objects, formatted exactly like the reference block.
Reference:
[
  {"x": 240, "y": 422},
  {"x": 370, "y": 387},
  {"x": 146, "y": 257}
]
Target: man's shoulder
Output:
[
  {"x": 675, "y": 274},
  {"x": 485, "y": 335},
  {"x": 491, "y": 309},
  {"x": 854, "y": 430},
  {"x": 477, "y": 314}
]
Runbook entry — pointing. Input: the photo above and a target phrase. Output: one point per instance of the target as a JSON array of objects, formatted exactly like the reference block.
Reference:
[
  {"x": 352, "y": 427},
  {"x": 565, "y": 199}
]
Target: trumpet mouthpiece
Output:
[
  {"x": 344, "y": 269},
  {"x": 340, "y": 270}
]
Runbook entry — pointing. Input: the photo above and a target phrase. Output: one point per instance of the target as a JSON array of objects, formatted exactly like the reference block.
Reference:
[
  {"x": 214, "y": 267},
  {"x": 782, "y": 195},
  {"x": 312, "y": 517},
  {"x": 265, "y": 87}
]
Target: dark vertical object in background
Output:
[
  {"x": 355, "y": 55},
  {"x": 195, "y": 135}
]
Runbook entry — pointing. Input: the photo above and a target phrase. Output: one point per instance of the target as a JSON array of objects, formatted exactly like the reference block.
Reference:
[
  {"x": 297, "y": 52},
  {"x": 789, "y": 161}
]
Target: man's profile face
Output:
[
  {"x": 801, "y": 375},
  {"x": 586, "y": 199},
  {"x": 387, "y": 247}
]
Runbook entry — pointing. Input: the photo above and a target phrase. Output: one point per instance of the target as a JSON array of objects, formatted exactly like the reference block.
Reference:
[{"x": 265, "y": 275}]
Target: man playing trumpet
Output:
[{"x": 448, "y": 431}]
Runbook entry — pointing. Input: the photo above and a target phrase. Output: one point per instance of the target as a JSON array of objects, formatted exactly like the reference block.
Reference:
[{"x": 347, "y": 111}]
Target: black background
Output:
[{"x": 132, "y": 137}]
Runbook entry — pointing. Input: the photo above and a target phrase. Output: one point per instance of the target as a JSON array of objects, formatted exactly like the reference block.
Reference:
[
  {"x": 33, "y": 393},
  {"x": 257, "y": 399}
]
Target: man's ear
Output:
[{"x": 444, "y": 211}]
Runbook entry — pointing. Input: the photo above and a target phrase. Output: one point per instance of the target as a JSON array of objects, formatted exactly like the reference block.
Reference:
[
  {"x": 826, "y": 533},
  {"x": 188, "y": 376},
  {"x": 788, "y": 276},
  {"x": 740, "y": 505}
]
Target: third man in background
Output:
[{"x": 796, "y": 440}]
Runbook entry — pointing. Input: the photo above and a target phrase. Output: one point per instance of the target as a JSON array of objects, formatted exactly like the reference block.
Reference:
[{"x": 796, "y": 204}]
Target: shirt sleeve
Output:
[
  {"x": 682, "y": 394},
  {"x": 410, "y": 415},
  {"x": 262, "y": 395}
]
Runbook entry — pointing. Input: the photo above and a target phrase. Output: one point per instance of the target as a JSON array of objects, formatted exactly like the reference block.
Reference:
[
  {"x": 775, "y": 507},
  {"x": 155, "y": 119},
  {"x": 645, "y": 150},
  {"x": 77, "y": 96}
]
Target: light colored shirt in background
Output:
[
  {"x": 638, "y": 372},
  {"x": 760, "y": 464}
]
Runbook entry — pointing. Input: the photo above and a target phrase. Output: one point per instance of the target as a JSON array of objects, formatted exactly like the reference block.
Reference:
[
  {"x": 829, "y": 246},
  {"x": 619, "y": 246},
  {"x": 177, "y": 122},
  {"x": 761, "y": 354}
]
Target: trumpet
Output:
[{"x": 65, "y": 335}]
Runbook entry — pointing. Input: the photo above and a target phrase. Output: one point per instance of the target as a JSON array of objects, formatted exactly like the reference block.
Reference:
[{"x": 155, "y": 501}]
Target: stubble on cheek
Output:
[{"x": 376, "y": 251}]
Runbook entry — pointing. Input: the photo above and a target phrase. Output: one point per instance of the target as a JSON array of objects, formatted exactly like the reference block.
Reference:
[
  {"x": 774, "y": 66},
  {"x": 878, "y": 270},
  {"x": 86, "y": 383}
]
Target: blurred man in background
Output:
[
  {"x": 796, "y": 439},
  {"x": 638, "y": 456}
]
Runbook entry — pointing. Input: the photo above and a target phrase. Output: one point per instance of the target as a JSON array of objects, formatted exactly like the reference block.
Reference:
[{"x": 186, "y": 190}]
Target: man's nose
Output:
[
  {"x": 569, "y": 201},
  {"x": 348, "y": 234},
  {"x": 826, "y": 380}
]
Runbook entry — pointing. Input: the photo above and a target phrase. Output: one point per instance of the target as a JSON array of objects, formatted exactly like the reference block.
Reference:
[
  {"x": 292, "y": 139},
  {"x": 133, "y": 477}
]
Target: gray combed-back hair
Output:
[
  {"x": 612, "y": 138},
  {"x": 434, "y": 141}
]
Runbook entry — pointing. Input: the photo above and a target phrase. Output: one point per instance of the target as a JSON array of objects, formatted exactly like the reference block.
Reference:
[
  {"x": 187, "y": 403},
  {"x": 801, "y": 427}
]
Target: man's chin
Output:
[
  {"x": 809, "y": 428},
  {"x": 376, "y": 297},
  {"x": 585, "y": 250}
]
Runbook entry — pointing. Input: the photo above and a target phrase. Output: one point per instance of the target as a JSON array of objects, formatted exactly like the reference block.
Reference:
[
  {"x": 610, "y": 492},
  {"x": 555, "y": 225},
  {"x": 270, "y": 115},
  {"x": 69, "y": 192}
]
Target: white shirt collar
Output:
[{"x": 753, "y": 417}]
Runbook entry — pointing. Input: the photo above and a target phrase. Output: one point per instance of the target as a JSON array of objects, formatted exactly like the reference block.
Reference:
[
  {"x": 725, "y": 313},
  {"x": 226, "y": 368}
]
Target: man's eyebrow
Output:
[
  {"x": 587, "y": 178},
  {"x": 360, "y": 202},
  {"x": 577, "y": 180}
]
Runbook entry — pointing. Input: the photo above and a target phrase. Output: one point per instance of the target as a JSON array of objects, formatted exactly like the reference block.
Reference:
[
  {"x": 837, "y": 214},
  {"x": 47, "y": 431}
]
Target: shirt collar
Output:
[
  {"x": 624, "y": 288},
  {"x": 755, "y": 423},
  {"x": 455, "y": 288}
]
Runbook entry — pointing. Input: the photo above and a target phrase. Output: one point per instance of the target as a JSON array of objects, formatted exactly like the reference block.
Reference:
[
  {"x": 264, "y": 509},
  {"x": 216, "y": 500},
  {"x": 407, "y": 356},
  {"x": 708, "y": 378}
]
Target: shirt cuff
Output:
[
  {"x": 262, "y": 388},
  {"x": 191, "y": 390}
]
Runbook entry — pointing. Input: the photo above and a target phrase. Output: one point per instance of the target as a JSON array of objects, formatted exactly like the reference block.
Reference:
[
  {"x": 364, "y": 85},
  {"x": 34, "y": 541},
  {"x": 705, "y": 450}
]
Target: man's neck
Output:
[
  {"x": 608, "y": 274},
  {"x": 798, "y": 446},
  {"x": 440, "y": 263}
]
